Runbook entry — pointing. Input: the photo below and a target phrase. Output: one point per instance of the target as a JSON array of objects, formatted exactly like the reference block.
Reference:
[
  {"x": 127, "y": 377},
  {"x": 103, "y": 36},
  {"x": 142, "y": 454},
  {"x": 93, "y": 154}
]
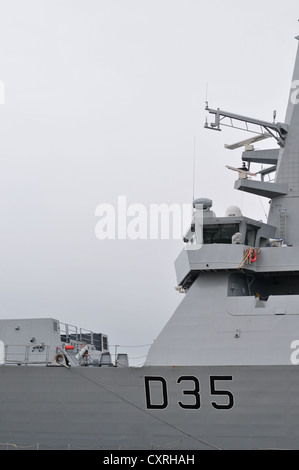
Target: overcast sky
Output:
[{"x": 104, "y": 99}]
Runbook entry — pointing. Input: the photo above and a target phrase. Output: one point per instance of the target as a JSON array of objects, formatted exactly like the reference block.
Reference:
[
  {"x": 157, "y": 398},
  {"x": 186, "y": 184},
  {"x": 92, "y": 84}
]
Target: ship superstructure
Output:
[
  {"x": 242, "y": 274},
  {"x": 47, "y": 341}
]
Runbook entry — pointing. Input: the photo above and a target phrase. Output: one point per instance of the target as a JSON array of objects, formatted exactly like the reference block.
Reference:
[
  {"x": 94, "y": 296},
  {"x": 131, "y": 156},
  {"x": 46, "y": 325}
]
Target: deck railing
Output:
[{"x": 27, "y": 354}]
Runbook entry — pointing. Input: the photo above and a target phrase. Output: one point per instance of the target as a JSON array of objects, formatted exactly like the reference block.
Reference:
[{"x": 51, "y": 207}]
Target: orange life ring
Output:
[{"x": 252, "y": 255}]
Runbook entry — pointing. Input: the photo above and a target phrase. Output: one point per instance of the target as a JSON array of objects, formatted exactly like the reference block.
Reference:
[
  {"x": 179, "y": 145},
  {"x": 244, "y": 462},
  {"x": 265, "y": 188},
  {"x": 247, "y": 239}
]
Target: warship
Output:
[{"x": 222, "y": 374}]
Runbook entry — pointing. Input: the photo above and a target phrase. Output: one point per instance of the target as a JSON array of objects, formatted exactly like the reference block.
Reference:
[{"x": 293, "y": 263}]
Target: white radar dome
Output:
[{"x": 233, "y": 211}]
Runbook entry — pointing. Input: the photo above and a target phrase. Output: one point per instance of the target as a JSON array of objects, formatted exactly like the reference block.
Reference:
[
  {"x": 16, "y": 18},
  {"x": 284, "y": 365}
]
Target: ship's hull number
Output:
[{"x": 157, "y": 393}]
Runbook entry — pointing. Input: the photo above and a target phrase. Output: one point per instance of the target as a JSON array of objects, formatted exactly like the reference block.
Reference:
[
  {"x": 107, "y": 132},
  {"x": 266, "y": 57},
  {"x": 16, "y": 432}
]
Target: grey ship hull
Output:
[{"x": 252, "y": 407}]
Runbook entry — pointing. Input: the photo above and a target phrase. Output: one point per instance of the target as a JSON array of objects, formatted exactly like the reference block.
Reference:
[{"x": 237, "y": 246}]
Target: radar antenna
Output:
[{"x": 223, "y": 118}]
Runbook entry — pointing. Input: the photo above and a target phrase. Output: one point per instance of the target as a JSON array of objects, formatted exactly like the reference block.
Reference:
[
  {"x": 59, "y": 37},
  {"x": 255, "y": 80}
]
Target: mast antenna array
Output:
[{"x": 223, "y": 118}]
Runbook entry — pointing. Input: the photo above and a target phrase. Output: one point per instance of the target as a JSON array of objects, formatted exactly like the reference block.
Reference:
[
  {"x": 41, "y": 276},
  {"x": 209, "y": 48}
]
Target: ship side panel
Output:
[{"x": 149, "y": 408}]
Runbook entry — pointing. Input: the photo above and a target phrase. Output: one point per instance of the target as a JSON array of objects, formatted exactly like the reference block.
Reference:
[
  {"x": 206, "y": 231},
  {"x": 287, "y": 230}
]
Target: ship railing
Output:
[
  {"x": 69, "y": 333},
  {"x": 27, "y": 354}
]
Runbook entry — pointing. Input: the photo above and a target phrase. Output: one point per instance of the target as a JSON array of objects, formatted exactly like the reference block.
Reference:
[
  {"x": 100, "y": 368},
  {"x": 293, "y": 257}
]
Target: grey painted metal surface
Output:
[
  {"x": 268, "y": 156},
  {"x": 50, "y": 408},
  {"x": 261, "y": 188}
]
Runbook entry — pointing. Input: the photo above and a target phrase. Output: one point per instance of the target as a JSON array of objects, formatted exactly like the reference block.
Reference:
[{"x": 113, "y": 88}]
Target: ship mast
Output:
[
  {"x": 284, "y": 190},
  {"x": 284, "y": 210}
]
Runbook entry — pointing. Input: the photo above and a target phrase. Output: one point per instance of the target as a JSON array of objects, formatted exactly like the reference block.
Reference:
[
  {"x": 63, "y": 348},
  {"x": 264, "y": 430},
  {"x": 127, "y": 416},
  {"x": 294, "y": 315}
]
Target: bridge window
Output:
[
  {"x": 219, "y": 233},
  {"x": 251, "y": 235},
  {"x": 262, "y": 286}
]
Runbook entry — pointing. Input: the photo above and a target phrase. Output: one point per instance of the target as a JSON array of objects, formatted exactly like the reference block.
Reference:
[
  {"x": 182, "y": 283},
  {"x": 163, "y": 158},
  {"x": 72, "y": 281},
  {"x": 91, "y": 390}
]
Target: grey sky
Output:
[{"x": 104, "y": 98}]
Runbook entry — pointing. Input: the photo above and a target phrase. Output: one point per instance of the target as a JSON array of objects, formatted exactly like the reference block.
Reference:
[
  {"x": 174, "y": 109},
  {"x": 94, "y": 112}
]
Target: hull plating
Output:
[{"x": 253, "y": 407}]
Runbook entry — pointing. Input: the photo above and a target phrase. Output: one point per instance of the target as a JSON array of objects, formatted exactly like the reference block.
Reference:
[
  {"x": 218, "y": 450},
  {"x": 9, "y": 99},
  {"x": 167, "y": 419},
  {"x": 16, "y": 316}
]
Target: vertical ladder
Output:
[{"x": 283, "y": 224}]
